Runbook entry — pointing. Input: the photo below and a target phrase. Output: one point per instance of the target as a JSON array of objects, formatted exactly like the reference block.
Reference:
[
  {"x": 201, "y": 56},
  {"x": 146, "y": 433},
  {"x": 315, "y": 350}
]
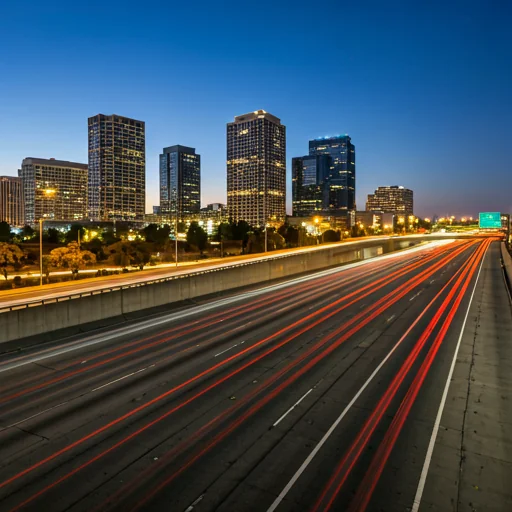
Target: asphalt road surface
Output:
[{"x": 317, "y": 394}]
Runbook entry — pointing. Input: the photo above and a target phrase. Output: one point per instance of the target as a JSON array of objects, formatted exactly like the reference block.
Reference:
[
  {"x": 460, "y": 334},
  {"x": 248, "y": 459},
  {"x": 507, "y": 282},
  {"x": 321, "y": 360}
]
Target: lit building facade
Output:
[
  {"x": 54, "y": 190},
  {"x": 256, "y": 169},
  {"x": 394, "y": 199},
  {"x": 180, "y": 182},
  {"x": 117, "y": 168},
  {"x": 310, "y": 191},
  {"x": 12, "y": 202},
  {"x": 341, "y": 182}
]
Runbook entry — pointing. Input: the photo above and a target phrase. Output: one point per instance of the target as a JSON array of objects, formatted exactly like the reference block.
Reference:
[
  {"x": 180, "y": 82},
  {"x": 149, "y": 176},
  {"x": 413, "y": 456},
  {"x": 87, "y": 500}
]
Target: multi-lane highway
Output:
[{"x": 315, "y": 394}]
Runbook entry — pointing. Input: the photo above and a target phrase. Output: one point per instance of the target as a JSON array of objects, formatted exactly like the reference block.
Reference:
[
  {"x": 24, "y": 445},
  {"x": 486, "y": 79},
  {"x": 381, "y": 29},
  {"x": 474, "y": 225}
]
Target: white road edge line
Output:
[
  {"x": 95, "y": 339},
  {"x": 121, "y": 378},
  {"x": 291, "y": 408},
  {"x": 433, "y": 437},
  {"x": 326, "y": 436}
]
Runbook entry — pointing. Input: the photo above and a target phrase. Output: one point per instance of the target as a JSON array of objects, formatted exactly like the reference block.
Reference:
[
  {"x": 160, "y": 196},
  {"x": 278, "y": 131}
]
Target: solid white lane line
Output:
[
  {"x": 326, "y": 436},
  {"x": 224, "y": 351},
  {"x": 291, "y": 408},
  {"x": 433, "y": 437},
  {"x": 142, "y": 326},
  {"x": 121, "y": 378}
]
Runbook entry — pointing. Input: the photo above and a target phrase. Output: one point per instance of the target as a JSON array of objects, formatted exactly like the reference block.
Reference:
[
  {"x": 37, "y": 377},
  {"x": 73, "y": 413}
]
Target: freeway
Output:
[{"x": 319, "y": 393}]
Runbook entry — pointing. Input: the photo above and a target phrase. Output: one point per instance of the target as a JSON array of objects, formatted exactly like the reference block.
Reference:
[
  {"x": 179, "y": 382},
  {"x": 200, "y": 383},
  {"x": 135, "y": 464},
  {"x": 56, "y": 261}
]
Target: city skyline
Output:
[{"x": 418, "y": 92}]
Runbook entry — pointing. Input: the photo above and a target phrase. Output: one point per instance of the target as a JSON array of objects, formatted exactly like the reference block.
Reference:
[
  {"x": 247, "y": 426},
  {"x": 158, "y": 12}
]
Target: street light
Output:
[
  {"x": 303, "y": 236},
  {"x": 176, "y": 225},
  {"x": 41, "y": 251}
]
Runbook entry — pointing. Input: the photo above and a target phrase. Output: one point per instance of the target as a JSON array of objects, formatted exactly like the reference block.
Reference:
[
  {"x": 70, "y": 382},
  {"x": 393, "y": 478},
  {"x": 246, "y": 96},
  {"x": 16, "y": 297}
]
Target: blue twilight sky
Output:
[{"x": 423, "y": 88}]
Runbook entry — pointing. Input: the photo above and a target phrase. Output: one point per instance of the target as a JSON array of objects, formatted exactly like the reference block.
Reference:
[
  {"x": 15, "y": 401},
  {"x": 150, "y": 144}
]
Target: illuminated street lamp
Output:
[
  {"x": 41, "y": 251},
  {"x": 304, "y": 229}
]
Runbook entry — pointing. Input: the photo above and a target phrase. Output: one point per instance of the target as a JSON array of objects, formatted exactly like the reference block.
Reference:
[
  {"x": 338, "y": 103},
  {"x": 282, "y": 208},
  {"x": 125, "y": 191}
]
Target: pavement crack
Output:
[
  {"x": 32, "y": 433},
  {"x": 45, "y": 367},
  {"x": 466, "y": 406}
]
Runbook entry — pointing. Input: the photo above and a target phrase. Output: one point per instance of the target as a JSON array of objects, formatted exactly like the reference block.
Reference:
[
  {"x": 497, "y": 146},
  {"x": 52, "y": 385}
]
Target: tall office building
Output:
[
  {"x": 54, "y": 190},
  {"x": 117, "y": 168},
  {"x": 342, "y": 176},
  {"x": 309, "y": 180},
  {"x": 180, "y": 181},
  {"x": 256, "y": 169},
  {"x": 392, "y": 199},
  {"x": 12, "y": 202}
]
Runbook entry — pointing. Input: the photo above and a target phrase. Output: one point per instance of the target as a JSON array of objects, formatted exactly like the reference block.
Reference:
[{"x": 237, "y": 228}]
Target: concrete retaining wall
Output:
[
  {"x": 506, "y": 260},
  {"x": 105, "y": 307}
]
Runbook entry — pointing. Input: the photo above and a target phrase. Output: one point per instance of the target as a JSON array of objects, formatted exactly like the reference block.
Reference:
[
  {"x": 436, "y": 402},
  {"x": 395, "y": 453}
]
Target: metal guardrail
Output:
[{"x": 79, "y": 295}]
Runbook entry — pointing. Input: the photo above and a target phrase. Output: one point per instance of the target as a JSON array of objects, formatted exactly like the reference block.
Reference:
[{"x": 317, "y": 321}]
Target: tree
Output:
[
  {"x": 224, "y": 232},
  {"x": 97, "y": 247},
  {"x": 255, "y": 242},
  {"x": 27, "y": 233},
  {"x": 141, "y": 255},
  {"x": 331, "y": 236},
  {"x": 53, "y": 236},
  {"x": 47, "y": 261},
  {"x": 125, "y": 254},
  {"x": 290, "y": 235},
  {"x": 5, "y": 232},
  {"x": 275, "y": 241},
  {"x": 120, "y": 254},
  {"x": 157, "y": 234},
  {"x": 109, "y": 237},
  {"x": 71, "y": 257},
  {"x": 10, "y": 256},
  {"x": 197, "y": 236},
  {"x": 240, "y": 230},
  {"x": 72, "y": 234}
]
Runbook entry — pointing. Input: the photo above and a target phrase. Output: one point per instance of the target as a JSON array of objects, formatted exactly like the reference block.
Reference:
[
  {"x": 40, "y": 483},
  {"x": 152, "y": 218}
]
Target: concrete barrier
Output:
[
  {"x": 106, "y": 308},
  {"x": 506, "y": 261}
]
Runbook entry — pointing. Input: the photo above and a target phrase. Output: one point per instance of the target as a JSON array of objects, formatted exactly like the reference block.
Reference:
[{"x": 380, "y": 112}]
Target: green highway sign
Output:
[{"x": 490, "y": 220}]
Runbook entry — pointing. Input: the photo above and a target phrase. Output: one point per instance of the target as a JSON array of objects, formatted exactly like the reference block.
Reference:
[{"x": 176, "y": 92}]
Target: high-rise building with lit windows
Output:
[
  {"x": 54, "y": 190},
  {"x": 180, "y": 182},
  {"x": 117, "y": 168},
  {"x": 341, "y": 194},
  {"x": 256, "y": 169},
  {"x": 12, "y": 202},
  {"x": 309, "y": 184},
  {"x": 393, "y": 199}
]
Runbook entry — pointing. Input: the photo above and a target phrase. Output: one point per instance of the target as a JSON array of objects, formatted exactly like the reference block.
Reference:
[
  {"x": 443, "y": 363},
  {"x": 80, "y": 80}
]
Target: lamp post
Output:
[
  {"x": 176, "y": 226},
  {"x": 41, "y": 251},
  {"x": 304, "y": 233}
]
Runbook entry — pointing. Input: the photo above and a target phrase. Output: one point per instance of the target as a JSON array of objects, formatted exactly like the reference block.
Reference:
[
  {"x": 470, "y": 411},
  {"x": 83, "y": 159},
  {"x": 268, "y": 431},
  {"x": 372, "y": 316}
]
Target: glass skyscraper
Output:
[
  {"x": 325, "y": 180},
  {"x": 256, "y": 169},
  {"x": 117, "y": 168},
  {"x": 180, "y": 182},
  {"x": 342, "y": 176},
  {"x": 309, "y": 178}
]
